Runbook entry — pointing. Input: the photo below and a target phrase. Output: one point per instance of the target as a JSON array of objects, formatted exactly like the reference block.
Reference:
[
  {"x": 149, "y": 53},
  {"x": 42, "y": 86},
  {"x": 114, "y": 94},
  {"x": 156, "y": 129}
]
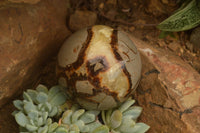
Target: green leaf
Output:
[
  {"x": 108, "y": 115},
  {"x": 43, "y": 129},
  {"x": 127, "y": 125},
  {"x": 33, "y": 94},
  {"x": 21, "y": 119},
  {"x": 33, "y": 114},
  {"x": 40, "y": 121},
  {"x": 53, "y": 127},
  {"x": 77, "y": 114},
  {"x": 31, "y": 128},
  {"x": 58, "y": 99},
  {"x": 62, "y": 130},
  {"x": 29, "y": 106},
  {"x": 80, "y": 124},
  {"x": 92, "y": 126},
  {"x": 75, "y": 128},
  {"x": 42, "y": 88},
  {"x": 42, "y": 97},
  {"x": 126, "y": 105},
  {"x": 186, "y": 18},
  {"x": 134, "y": 112},
  {"x": 47, "y": 106},
  {"x": 18, "y": 104},
  {"x": 44, "y": 116},
  {"x": 101, "y": 129},
  {"x": 53, "y": 112},
  {"x": 66, "y": 118},
  {"x": 87, "y": 117},
  {"x": 139, "y": 128},
  {"x": 48, "y": 121},
  {"x": 27, "y": 97},
  {"x": 103, "y": 116},
  {"x": 116, "y": 119},
  {"x": 53, "y": 91}
]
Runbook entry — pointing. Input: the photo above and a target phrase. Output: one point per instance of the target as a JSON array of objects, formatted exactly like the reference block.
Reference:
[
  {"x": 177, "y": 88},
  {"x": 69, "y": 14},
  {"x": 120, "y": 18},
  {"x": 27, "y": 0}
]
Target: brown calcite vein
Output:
[{"x": 169, "y": 91}]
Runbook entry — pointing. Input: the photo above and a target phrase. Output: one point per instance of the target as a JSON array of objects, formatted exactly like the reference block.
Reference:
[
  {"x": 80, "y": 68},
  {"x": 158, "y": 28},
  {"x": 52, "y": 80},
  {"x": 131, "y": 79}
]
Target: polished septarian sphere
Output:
[{"x": 100, "y": 66}]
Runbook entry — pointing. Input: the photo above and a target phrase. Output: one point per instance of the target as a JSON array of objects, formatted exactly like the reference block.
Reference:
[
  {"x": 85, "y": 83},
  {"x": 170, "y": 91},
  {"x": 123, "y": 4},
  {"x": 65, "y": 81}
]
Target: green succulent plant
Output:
[
  {"x": 123, "y": 119},
  {"x": 35, "y": 112},
  {"x": 82, "y": 121},
  {"x": 40, "y": 112}
]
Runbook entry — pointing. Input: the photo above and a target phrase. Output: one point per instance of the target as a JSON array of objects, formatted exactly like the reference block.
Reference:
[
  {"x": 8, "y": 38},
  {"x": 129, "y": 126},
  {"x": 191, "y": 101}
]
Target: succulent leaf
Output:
[
  {"x": 29, "y": 106},
  {"x": 43, "y": 129},
  {"x": 27, "y": 97},
  {"x": 134, "y": 111},
  {"x": 126, "y": 105},
  {"x": 74, "y": 128},
  {"x": 88, "y": 117},
  {"x": 116, "y": 119},
  {"x": 61, "y": 129},
  {"x": 33, "y": 114},
  {"x": 77, "y": 114},
  {"x": 58, "y": 99},
  {"x": 53, "y": 91},
  {"x": 101, "y": 129},
  {"x": 53, "y": 112},
  {"x": 66, "y": 118},
  {"x": 92, "y": 126},
  {"x": 42, "y": 88},
  {"x": 33, "y": 94},
  {"x": 18, "y": 104},
  {"x": 52, "y": 127},
  {"x": 21, "y": 119},
  {"x": 127, "y": 125},
  {"x": 42, "y": 97},
  {"x": 31, "y": 128},
  {"x": 140, "y": 128}
]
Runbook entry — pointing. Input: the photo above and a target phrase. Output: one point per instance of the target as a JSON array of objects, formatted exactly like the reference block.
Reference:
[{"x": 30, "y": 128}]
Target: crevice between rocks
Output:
[{"x": 186, "y": 111}]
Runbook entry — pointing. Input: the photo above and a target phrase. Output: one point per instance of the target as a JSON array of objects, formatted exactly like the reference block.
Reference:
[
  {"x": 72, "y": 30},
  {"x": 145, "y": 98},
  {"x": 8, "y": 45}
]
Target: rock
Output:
[
  {"x": 30, "y": 35},
  {"x": 25, "y": 1},
  {"x": 195, "y": 39},
  {"x": 175, "y": 47},
  {"x": 168, "y": 92},
  {"x": 196, "y": 64},
  {"x": 159, "y": 8},
  {"x": 81, "y": 19}
]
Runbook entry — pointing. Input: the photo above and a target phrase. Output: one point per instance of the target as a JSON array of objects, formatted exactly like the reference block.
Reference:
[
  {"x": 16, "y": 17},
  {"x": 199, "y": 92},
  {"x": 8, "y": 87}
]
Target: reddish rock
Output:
[
  {"x": 169, "y": 92},
  {"x": 81, "y": 19},
  {"x": 29, "y": 36}
]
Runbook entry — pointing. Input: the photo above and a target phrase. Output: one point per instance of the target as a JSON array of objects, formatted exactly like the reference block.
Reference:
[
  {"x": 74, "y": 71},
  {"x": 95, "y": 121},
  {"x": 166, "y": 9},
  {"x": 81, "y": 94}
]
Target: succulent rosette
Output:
[
  {"x": 39, "y": 106},
  {"x": 123, "y": 119},
  {"x": 50, "y": 111}
]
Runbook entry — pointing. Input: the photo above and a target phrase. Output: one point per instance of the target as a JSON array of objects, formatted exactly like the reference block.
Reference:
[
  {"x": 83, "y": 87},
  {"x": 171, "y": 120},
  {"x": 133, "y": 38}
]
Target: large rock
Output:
[
  {"x": 81, "y": 19},
  {"x": 169, "y": 92},
  {"x": 29, "y": 36}
]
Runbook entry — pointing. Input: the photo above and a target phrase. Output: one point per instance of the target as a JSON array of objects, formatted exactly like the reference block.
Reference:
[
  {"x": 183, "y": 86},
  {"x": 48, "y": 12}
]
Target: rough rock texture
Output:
[
  {"x": 81, "y": 19},
  {"x": 25, "y": 1},
  {"x": 160, "y": 7},
  {"x": 169, "y": 92},
  {"x": 195, "y": 39},
  {"x": 29, "y": 36}
]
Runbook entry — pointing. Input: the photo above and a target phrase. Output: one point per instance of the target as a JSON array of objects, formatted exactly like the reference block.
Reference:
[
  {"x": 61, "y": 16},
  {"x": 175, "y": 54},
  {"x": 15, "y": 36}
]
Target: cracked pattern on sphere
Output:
[{"x": 101, "y": 75}]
